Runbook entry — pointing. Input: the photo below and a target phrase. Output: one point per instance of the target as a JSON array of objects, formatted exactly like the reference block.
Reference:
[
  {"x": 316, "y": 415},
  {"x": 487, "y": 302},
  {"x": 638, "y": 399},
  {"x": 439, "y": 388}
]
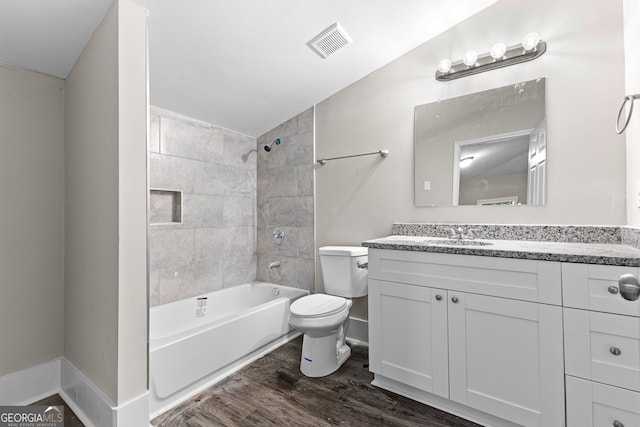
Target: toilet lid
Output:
[{"x": 317, "y": 305}]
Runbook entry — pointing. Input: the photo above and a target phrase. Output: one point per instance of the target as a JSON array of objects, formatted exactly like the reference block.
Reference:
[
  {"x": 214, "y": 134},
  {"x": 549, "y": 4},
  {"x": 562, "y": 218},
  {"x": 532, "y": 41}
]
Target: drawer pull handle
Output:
[
  {"x": 439, "y": 297},
  {"x": 613, "y": 290},
  {"x": 454, "y": 299},
  {"x": 617, "y": 423},
  {"x": 615, "y": 351},
  {"x": 629, "y": 287}
]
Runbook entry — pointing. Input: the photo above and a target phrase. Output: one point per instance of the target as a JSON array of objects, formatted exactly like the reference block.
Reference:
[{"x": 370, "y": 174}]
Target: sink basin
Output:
[{"x": 455, "y": 242}]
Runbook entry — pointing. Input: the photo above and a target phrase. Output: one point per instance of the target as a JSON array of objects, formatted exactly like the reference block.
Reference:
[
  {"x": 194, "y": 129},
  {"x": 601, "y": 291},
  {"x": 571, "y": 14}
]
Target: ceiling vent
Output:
[{"x": 330, "y": 40}]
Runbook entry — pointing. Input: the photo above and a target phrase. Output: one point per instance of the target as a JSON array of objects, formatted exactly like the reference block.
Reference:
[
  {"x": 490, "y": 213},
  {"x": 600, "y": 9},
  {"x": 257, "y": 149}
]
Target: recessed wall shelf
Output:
[{"x": 165, "y": 206}]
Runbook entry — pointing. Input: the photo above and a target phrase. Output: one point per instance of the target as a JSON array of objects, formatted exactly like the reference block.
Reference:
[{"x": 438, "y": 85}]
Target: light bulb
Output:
[
  {"x": 444, "y": 66},
  {"x": 466, "y": 162},
  {"x": 530, "y": 41},
  {"x": 469, "y": 59},
  {"x": 498, "y": 50}
]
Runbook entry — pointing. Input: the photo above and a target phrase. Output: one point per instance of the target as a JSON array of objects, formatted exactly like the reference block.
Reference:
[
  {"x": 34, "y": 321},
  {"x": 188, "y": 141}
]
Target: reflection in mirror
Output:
[{"x": 488, "y": 148}]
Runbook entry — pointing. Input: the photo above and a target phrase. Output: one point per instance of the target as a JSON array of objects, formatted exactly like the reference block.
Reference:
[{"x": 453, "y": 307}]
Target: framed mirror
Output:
[{"x": 487, "y": 148}]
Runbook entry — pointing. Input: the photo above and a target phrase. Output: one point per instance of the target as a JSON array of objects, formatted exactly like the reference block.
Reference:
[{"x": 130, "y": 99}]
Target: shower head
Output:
[{"x": 276, "y": 141}]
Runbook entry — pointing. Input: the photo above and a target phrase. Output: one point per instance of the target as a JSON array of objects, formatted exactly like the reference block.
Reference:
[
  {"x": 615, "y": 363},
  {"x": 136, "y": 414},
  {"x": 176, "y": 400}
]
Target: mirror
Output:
[{"x": 487, "y": 148}]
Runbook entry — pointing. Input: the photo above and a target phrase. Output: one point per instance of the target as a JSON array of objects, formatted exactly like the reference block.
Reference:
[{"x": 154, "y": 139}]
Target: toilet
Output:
[{"x": 323, "y": 318}]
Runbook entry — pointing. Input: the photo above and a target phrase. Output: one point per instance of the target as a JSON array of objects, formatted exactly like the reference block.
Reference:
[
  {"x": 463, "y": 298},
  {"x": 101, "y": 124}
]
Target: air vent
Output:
[{"x": 330, "y": 40}]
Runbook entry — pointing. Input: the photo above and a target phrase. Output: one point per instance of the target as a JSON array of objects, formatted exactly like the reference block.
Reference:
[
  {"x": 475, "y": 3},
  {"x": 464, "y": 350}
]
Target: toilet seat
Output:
[{"x": 318, "y": 305}]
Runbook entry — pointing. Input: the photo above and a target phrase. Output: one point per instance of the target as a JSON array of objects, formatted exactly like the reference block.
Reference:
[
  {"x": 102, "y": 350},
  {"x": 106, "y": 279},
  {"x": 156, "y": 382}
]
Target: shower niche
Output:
[{"x": 165, "y": 206}]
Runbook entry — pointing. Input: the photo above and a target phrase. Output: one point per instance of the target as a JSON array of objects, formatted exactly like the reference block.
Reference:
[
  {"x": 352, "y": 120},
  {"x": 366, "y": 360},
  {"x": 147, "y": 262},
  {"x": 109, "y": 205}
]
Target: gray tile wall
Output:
[
  {"x": 285, "y": 194},
  {"x": 215, "y": 246}
]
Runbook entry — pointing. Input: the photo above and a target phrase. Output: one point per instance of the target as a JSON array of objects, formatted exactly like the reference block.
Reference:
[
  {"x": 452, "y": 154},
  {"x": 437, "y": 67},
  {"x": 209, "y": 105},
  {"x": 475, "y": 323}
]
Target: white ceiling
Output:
[{"x": 240, "y": 64}]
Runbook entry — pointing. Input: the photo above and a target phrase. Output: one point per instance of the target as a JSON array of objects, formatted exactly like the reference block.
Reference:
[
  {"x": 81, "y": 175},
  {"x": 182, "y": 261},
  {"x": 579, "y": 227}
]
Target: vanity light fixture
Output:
[
  {"x": 499, "y": 56},
  {"x": 465, "y": 162}
]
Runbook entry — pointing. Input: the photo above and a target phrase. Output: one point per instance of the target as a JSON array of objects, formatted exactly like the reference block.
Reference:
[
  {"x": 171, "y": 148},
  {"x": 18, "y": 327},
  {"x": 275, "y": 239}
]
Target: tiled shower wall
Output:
[
  {"x": 286, "y": 201},
  {"x": 215, "y": 246}
]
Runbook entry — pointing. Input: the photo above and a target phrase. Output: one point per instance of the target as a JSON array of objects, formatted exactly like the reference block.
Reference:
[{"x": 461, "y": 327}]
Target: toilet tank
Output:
[{"x": 340, "y": 271}]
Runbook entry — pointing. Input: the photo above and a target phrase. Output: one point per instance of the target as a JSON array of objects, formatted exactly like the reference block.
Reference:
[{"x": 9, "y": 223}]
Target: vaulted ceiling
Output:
[{"x": 244, "y": 65}]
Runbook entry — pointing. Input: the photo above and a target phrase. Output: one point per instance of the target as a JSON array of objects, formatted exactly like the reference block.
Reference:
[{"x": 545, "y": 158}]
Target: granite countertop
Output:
[{"x": 583, "y": 253}]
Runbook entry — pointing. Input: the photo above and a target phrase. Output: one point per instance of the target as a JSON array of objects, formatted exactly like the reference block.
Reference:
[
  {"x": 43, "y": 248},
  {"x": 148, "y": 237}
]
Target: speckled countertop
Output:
[{"x": 583, "y": 253}]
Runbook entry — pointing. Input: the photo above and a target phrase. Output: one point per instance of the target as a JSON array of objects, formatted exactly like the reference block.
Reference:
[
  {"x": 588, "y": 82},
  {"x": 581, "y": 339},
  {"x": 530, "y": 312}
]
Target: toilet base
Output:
[{"x": 322, "y": 356}]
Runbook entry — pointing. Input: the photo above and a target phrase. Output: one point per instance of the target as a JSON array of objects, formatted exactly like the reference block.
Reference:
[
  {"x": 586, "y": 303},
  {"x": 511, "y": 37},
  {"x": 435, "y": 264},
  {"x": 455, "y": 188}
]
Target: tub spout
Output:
[{"x": 274, "y": 264}]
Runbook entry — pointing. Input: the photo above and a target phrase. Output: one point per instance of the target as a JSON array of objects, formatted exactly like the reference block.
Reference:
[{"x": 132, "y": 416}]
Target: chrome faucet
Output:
[
  {"x": 274, "y": 264},
  {"x": 459, "y": 234},
  {"x": 455, "y": 233}
]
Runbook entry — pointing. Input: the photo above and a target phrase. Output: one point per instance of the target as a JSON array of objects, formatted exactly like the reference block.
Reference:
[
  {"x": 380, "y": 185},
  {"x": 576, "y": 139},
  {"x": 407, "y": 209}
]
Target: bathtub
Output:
[{"x": 198, "y": 341}]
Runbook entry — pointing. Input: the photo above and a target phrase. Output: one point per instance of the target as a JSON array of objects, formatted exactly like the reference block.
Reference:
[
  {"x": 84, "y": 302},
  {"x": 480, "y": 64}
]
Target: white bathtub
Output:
[{"x": 193, "y": 345}]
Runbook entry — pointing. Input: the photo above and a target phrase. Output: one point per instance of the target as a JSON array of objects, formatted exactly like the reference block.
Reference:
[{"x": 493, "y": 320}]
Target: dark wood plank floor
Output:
[
  {"x": 272, "y": 392},
  {"x": 70, "y": 418}
]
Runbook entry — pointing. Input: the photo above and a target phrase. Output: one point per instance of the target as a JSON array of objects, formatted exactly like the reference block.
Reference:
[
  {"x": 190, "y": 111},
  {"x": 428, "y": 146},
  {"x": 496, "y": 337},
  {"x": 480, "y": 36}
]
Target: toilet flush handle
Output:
[{"x": 364, "y": 265}]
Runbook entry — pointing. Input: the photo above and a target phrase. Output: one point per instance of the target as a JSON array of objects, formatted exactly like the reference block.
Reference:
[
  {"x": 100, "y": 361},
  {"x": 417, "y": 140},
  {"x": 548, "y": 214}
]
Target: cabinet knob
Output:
[
  {"x": 629, "y": 287},
  {"x": 439, "y": 297},
  {"x": 617, "y": 423},
  {"x": 615, "y": 351},
  {"x": 454, "y": 299},
  {"x": 613, "y": 289}
]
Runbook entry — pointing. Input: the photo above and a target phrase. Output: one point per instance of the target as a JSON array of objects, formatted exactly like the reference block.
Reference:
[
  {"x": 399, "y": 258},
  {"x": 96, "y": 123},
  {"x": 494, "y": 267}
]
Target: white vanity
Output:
[{"x": 493, "y": 333}]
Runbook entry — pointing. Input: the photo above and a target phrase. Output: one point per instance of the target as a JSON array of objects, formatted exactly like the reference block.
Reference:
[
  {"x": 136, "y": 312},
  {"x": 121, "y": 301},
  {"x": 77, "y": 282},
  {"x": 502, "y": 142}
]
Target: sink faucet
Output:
[
  {"x": 459, "y": 234},
  {"x": 456, "y": 233}
]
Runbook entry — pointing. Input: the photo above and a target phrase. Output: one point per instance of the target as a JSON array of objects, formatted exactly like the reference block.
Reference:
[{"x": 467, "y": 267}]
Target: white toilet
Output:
[{"x": 323, "y": 318}]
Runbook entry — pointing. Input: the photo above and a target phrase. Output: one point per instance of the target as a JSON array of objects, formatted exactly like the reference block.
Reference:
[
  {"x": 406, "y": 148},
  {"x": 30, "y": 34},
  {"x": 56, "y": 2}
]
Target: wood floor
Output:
[{"x": 272, "y": 392}]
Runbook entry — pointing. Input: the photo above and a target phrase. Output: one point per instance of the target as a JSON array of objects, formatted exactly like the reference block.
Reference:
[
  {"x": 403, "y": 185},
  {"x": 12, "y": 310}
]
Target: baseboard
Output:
[
  {"x": 30, "y": 385},
  {"x": 134, "y": 412},
  {"x": 358, "y": 331},
  {"x": 92, "y": 406}
]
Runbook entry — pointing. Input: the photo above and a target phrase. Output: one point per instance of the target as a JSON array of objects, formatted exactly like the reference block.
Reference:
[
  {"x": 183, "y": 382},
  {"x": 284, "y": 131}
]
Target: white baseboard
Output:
[
  {"x": 92, "y": 406},
  {"x": 134, "y": 412},
  {"x": 358, "y": 331},
  {"x": 30, "y": 385}
]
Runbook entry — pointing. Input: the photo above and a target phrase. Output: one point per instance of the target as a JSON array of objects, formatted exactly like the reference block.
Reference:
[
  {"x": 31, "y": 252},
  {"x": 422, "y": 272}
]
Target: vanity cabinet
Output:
[
  {"x": 602, "y": 347},
  {"x": 479, "y": 337}
]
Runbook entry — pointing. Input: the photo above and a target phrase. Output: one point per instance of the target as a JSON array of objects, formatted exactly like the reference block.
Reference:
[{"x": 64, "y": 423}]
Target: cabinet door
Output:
[
  {"x": 408, "y": 335},
  {"x": 506, "y": 358},
  {"x": 591, "y": 404}
]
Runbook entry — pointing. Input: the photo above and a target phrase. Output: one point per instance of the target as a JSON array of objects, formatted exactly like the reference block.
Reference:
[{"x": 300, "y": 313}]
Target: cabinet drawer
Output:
[
  {"x": 602, "y": 347},
  {"x": 526, "y": 280},
  {"x": 595, "y": 287},
  {"x": 590, "y": 404}
]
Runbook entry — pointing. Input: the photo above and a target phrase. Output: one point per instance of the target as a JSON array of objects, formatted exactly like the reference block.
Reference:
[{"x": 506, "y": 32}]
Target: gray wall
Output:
[
  {"x": 215, "y": 246},
  {"x": 105, "y": 304},
  {"x": 32, "y": 218},
  {"x": 584, "y": 69},
  {"x": 286, "y": 200}
]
